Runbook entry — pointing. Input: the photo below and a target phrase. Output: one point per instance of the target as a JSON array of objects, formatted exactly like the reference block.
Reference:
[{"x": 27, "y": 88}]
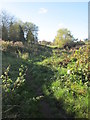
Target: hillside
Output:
[{"x": 44, "y": 82}]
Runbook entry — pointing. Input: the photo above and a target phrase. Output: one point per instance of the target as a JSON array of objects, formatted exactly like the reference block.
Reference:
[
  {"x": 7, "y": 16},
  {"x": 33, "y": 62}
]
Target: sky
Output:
[{"x": 51, "y": 16}]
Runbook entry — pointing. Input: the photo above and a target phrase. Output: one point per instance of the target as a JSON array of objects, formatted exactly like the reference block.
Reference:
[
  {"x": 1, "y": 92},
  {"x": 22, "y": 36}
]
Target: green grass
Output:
[{"x": 46, "y": 80}]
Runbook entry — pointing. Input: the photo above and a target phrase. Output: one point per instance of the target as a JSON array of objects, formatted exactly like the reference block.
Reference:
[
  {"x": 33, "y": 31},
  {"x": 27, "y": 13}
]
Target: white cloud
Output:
[{"x": 42, "y": 11}]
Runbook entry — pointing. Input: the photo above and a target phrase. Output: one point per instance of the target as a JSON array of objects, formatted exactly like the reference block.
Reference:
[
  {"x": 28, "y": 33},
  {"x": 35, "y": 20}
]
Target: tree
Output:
[
  {"x": 30, "y": 27},
  {"x": 63, "y": 37},
  {"x": 4, "y": 33},
  {"x": 6, "y": 21},
  {"x": 17, "y": 30},
  {"x": 14, "y": 32},
  {"x": 21, "y": 34},
  {"x": 30, "y": 37}
]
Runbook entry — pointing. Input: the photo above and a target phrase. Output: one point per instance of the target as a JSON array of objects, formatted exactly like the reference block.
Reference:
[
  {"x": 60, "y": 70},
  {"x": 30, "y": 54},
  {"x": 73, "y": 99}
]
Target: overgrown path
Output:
[
  {"x": 47, "y": 105},
  {"x": 48, "y": 91}
]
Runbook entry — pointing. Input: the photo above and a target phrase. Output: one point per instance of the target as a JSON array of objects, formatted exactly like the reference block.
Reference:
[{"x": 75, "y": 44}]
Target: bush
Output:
[
  {"x": 80, "y": 43},
  {"x": 69, "y": 44}
]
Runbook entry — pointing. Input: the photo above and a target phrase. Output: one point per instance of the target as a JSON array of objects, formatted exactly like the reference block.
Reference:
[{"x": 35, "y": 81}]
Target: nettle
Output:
[{"x": 9, "y": 86}]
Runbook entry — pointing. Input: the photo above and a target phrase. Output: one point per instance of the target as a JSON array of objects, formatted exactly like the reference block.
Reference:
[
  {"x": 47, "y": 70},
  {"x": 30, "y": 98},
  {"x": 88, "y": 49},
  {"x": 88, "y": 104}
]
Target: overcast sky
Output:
[{"x": 51, "y": 16}]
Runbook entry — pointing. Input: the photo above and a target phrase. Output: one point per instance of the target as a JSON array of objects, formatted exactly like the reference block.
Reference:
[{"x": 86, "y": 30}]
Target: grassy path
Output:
[{"x": 46, "y": 104}]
